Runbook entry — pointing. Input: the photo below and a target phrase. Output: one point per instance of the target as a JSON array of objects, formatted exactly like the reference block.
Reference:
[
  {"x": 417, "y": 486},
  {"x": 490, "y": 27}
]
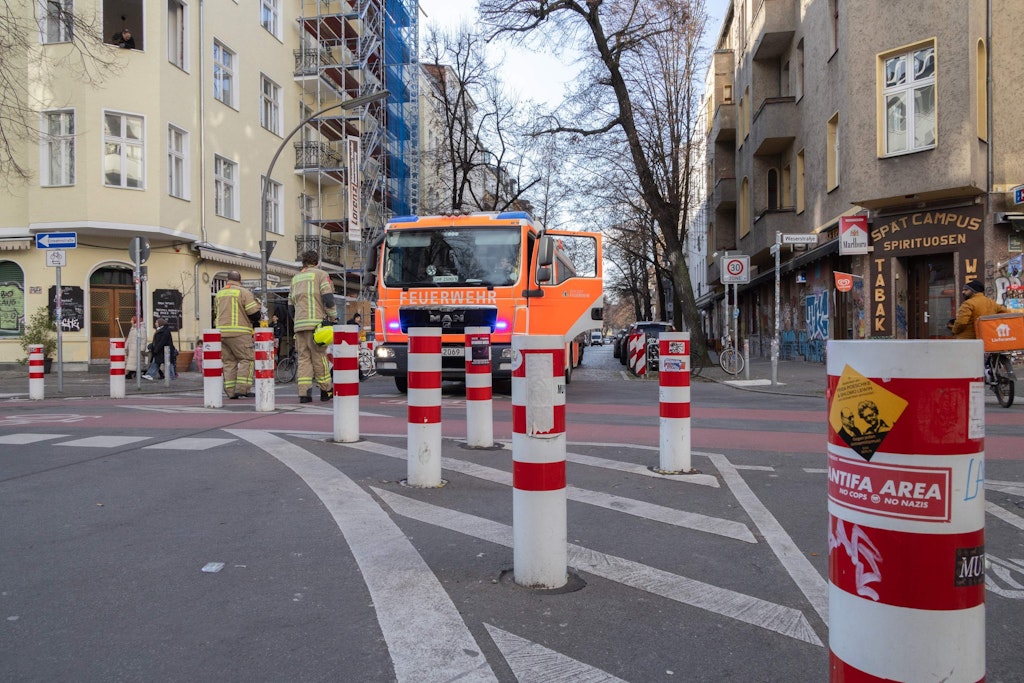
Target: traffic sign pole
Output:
[
  {"x": 59, "y": 310},
  {"x": 775, "y": 338}
]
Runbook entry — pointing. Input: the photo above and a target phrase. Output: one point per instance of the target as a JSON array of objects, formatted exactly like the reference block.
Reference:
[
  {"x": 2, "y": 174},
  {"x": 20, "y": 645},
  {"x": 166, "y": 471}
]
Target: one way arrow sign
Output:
[{"x": 57, "y": 240}]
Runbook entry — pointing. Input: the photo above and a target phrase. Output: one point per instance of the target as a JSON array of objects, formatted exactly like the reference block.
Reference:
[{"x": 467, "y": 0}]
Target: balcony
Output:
[
  {"x": 774, "y": 126},
  {"x": 773, "y": 28},
  {"x": 723, "y": 125},
  {"x": 309, "y": 61},
  {"x": 723, "y": 197},
  {"x": 313, "y": 156},
  {"x": 766, "y": 224},
  {"x": 331, "y": 251}
]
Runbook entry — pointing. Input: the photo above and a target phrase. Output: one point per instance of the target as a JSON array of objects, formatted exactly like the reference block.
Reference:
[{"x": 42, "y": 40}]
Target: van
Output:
[{"x": 596, "y": 339}]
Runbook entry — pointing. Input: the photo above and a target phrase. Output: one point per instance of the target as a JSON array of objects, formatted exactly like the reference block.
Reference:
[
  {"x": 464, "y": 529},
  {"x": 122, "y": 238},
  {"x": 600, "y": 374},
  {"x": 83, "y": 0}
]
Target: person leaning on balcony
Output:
[
  {"x": 236, "y": 307},
  {"x": 312, "y": 296},
  {"x": 975, "y": 305},
  {"x": 123, "y": 40}
]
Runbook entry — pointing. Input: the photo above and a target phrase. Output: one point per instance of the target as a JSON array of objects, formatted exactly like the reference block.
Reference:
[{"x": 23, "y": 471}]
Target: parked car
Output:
[
  {"x": 616, "y": 347},
  {"x": 651, "y": 328}
]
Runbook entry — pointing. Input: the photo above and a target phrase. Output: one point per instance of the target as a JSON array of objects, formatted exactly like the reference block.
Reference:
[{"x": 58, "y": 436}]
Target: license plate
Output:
[{"x": 453, "y": 351}]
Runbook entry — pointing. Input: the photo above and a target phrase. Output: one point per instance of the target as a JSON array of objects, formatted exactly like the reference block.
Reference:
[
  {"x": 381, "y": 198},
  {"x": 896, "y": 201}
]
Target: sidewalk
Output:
[
  {"x": 795, "y": 378},
  {"x": 92, "y": 384}
]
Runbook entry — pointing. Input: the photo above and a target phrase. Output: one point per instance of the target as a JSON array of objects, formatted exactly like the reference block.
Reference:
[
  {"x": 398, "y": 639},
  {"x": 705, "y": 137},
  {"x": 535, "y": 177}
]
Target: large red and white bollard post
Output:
[
  {"x": 263, "y": 348},
  {"x": 637, "y": 359},
  {"x": 424, "y": 432},
  {"x": 213, "y": 370},
  {"x": 906, "y": 502},
  {"x": 117, "y": 360},
  {"x": 674, "y": 402},
  {"x": 36, "y": 376},
  {"x": 479, "y": 402},
  {"x": 539, "y": 528},
  {"x": 346, "y": 383}
]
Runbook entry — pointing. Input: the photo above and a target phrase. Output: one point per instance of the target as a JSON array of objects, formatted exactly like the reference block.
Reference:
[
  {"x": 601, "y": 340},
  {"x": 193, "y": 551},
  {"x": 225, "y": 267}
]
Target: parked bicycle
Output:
[
  {"x": 730, "y": 359},
  {"x": 287, "y": 367},
  {"x": 367, "y": 367},
  {"x": 1000, "y": 377}
]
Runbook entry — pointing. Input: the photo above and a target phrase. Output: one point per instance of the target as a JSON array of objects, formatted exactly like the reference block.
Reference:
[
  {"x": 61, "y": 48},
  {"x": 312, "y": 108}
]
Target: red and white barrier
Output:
[
  {"x": 117, "y": 361},
  {"x": 674, "y": 402},
  {"x": 479, "y": 401},
  {"x": 906, "y": 478},
  {"x": 539, "y": 527},
  {"x": 638, "y": 353},
  {"x": 263, "y": 350},
  {"x": 424, "y": 430},
  {"x": 213, "y": 370},
  {"x": 36, "y": 377},
  {"x": 346, "y": 383}
]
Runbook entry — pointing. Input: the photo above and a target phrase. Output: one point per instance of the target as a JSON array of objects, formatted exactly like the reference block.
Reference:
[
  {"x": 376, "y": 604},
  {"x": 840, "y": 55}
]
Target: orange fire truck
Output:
[{"x": 498, "y": 270}]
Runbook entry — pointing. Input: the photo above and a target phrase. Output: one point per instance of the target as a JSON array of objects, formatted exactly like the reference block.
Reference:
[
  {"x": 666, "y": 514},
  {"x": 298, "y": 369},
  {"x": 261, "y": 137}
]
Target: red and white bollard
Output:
[
  {"x": 539, "y": 528},
  {"x": 424, "y": 432},
  {"x": 674, "y": 401},
  {"x": 263, "y": 349},
  {"x": 479, "y": 402},
  {"x": 213, "y": 370},
  {"x": 637, "y": 358},
  {"x": 36, "y": 378},
  {"x": 117, "y": 360},
  {"x": 906, "y": 502},
  {"x": 346, "y": 383}
]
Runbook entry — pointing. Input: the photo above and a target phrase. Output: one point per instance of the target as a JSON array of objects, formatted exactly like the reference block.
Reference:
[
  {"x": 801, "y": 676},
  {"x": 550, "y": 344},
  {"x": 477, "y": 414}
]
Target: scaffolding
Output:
[{"x": 401, "y": 56}]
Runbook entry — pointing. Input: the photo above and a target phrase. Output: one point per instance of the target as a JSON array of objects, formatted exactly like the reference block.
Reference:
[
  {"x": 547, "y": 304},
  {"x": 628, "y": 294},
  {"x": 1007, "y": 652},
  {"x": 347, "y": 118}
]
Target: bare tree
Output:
[
  {"x": 74, "y": 47},
  {"x": 640, "y": 59}
]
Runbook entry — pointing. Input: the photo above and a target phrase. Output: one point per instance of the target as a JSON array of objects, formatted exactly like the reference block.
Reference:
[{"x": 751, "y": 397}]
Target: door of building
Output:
[
  {"x": 110, "y": 313},
  {"x": 931, "y": 296}
]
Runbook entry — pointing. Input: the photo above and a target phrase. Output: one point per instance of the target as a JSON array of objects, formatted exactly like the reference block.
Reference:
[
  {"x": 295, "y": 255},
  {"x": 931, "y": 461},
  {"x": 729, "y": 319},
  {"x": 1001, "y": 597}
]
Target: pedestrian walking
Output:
[
  {"x": 237, "y": 309},
  {"x": 131, "y": 347},
  {"x": 161, "y": 340},
  {"x": 312, "y": 296}
]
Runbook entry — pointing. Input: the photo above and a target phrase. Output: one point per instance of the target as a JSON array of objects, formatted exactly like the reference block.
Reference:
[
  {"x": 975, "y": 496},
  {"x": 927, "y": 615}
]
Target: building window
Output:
[
  {"x": 123, "y": 150},
  {"x": 801, "y": 178},
  {"x": 12, "y": 290},
  {"x": 832, "y": 152},
  {"x": 270, "y": 16},
  {"x": 56, "y": 21},
  {"x": 727, "y": 93},
  {"x": 270, "y": 105},
  {"x": 909, "y": 94},
  {"x": 177, "y": 162},
  {"x": 307, "y": 207},
  {"x": 982, "y": 89},
  {"x": 799, "y": 70},
  {"x": 177, "y": 22},
  {"x": 787, "y": 187},
  {"x": 272, "y": 205},
  {"x": 225, "y": 184},
  {"x": 744, "y": 217},
  {"x": 224, "y": 74},
  {"x": 772, "y": 183},
  {"x": 58, "y": 149},
  {"x": 833, "y": 15}
]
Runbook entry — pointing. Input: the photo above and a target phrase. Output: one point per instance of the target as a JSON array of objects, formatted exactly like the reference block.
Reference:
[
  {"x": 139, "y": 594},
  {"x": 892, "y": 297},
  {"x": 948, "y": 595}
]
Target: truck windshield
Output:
[{"x": 452, "y": 257}]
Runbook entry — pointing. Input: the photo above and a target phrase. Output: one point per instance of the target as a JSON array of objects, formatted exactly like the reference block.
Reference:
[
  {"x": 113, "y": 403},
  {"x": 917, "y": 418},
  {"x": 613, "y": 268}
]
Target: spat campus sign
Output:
[{"x": 955, "y": 231}]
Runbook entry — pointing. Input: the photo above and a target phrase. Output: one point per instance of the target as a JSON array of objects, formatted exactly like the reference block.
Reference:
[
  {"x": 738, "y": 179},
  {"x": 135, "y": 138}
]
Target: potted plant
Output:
[{"x": 40, "y": 329}]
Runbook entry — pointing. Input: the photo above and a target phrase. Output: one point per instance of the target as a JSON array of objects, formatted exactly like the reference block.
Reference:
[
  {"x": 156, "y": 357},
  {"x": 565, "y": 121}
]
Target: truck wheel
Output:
[{"x": 402, "y": 384}]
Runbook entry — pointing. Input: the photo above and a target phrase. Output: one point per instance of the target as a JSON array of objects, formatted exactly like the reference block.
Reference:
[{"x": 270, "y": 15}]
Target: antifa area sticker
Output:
[{"x": 863, "y": 412}]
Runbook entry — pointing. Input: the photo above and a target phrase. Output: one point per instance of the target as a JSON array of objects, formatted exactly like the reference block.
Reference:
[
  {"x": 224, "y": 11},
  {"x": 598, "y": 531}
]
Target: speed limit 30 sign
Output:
[{"x": 735, "y": 270}]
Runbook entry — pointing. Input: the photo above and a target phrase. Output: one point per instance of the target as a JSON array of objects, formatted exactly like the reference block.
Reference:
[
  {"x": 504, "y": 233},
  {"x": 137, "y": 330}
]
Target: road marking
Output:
[
  {"x": 427, "y": 639},
  {"x": 22, "y": 439},
  {"x": 1005, "y": 515},
  {"x": 629, "y": 506},
  {"x": 728, "y": 603},
  {"x": 755, "y": 468},
  {"x": 815, "y": 470},
  {"x": 1014, "y": 488},
  {"x": 44, "y": 419},
  {"x": 109, "y": 441},
  {"x": 807, "y": 578},
  {"x": 1003, "y": 570},
  {"x": 532, "y": 662},
  {"x": 189, "y": 444}
]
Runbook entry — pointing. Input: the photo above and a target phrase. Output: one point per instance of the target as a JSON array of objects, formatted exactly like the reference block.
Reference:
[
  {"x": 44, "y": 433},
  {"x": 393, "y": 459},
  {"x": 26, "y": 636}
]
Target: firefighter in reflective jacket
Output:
[
  {"x": 236, "y": 309},
  {"x": 312, "y": 296}
]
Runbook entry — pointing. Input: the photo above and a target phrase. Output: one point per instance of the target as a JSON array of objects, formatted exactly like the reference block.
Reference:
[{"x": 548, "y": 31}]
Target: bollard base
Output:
[
  {"x": 658, "y": 470},
  {"x": 495, "y": 447},
  {"x": 573, "y": 583},
  {"x": 405, "y": 483}
]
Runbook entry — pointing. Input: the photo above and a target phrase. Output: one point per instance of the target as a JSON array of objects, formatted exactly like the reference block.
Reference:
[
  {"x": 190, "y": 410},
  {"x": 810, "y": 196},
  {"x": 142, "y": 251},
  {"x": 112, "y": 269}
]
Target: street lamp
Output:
[{"x": 353, "y": 103}]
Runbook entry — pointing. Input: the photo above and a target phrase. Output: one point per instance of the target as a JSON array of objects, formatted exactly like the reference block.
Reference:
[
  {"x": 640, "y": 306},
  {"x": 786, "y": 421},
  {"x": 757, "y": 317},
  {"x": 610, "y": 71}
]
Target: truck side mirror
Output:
[
  {"x": 543, "y": 274},
  {"x": 545, "y": 253}
]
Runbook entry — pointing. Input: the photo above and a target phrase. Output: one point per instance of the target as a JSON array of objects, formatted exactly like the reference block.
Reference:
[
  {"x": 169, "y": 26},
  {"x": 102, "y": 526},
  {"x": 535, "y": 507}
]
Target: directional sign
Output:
[
  {"x": 56, "y": 240},
  {"x": 56, "y": 257},
  {"x": 735, "y": 269},
  {"x": 799, "y": 239},
  {"x": 1018, "y": 194}
]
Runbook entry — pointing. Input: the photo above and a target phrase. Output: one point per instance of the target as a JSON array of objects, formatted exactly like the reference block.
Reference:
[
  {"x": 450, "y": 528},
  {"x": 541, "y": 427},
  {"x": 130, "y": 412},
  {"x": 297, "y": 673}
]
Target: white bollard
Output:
[
  {"x": 479, "y": 401},
  {"x": 674, "y": 402},
  {"x": 213, "y": 370},
  {"x": 263, "y": 351},
  {"x": 346, "y": 383},
  {"x": 539, "y": 528},
  {"x": 36, "y": 378},
  {"x": 168, "y": 370},
  {"x": 117, "y": 360},
  {"x": 424, "y": 429}
]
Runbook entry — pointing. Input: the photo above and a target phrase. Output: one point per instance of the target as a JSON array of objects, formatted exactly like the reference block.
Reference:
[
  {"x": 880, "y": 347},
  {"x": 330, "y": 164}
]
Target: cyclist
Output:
[{"x": 975, "y": 305}]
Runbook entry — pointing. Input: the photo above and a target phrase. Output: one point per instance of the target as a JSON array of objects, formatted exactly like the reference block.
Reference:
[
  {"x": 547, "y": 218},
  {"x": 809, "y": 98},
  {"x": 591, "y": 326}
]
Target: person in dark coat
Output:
[{"x": 161, "y": 340}]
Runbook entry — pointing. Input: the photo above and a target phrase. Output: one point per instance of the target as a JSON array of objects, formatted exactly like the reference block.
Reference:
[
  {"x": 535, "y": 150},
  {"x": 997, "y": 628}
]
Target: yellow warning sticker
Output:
[{"x": 863, "y": 412}]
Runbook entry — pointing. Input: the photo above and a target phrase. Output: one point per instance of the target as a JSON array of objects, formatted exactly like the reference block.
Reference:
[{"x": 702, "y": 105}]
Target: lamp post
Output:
[{"x": 353, "y": 103}]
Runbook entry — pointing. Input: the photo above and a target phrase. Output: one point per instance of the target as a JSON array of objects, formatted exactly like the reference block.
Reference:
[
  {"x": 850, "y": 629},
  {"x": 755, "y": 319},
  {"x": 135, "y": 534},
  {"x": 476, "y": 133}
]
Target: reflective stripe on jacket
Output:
[
  {"x": 234, "y": 305},
  {"x": 308, "y": 288}
]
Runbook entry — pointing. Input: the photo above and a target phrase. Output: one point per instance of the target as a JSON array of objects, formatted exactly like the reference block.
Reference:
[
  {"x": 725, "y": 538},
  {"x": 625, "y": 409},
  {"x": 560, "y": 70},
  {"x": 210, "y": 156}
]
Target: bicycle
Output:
[
  {"x": 287, "y": 367},
  {"x": 1000, "y": 377},
  {"x": 367, "y": 368},
  {"x": 730, "y": 358}
]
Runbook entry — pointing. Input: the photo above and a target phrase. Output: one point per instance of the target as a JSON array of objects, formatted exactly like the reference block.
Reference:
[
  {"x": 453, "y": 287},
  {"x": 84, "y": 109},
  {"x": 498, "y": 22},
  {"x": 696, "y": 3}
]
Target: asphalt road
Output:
[{"x": 154, "y": 539}]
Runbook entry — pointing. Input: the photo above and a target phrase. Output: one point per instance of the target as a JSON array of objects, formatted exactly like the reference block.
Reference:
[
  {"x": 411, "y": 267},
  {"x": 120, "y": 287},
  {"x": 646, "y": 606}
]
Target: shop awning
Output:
[
  {"x": 789, "y": 266},
  {"x": 244, "y": 260},
  {"x": 16, "y": 243}
]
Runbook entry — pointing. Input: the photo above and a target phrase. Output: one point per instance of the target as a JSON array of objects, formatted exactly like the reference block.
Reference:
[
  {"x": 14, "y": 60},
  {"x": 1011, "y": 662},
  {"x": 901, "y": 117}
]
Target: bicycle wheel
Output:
[
  {"x": 366, "y": 367},
  {"x": 731, "y": 361},
  {"x": 286, "y": 370},
  {"x": 1003, "y": 386}
]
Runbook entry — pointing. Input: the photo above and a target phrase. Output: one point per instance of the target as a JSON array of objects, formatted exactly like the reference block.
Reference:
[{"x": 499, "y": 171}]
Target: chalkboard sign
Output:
[
  {"x": 167, "y": 305},
  {"x": 72, "y": 305}
]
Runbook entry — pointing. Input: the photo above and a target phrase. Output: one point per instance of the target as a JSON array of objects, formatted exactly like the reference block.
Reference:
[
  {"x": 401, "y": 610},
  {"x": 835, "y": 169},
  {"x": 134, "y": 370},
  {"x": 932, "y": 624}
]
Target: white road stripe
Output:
[
  {"x": 748, "y": 609},
  {"x": 1005, "y": 515},
  {"x": 188, "y": 444},
  {"x": 23, "y": 439},
  {"x": 1014, "y": 488},
  {"x": 793, "y": 560},
  {"x": 755, "y": 468},
  {"x": 426, "y": 637},
  {"x": 108, "y": 441},
  {"x": 592, "y": 461},
  {"x": 532, "y": 662},
  {"x": 629, "y": 506}
]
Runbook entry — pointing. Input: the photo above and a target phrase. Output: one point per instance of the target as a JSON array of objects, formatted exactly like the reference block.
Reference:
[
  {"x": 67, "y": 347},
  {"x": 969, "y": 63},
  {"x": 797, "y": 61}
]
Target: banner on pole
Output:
[{"x": 355, "y": 233}]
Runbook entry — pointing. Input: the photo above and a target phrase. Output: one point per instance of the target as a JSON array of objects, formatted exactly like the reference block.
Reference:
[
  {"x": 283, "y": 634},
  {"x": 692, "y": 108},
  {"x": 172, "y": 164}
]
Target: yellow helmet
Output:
[{"x": 323, "y": 334}]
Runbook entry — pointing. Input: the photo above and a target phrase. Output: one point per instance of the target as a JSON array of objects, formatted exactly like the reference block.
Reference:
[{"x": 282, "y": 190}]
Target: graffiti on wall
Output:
[{"x": 816, "y": 314}]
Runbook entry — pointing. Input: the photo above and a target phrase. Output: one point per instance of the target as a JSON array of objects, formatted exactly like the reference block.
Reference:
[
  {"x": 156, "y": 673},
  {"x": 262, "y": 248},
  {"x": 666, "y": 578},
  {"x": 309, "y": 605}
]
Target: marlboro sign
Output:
[{"x": 853, "y": 235}]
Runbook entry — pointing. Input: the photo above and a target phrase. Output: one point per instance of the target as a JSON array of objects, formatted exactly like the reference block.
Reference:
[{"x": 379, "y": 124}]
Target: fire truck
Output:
[{"x": 503, "y": 271}]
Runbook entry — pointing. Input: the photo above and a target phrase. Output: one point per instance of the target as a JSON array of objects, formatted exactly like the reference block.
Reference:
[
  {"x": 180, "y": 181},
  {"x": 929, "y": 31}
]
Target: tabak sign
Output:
[{"x": 917, "y": 493}]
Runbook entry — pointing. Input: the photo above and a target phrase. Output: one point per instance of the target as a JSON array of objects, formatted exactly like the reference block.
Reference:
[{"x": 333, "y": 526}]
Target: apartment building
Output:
[
  {"x": 894, "y": 123},
  {"x": 173, "y": 144}
]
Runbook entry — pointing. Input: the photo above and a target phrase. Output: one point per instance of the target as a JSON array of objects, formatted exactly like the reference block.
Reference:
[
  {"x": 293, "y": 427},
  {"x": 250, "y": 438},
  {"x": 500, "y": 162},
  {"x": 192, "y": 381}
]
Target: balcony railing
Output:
[
  {"x": 318, "y": 155},
  {"x": 309, "y": 60},
  {"x": 774, "y": 126},
  {"x": 330, "y": 251}
]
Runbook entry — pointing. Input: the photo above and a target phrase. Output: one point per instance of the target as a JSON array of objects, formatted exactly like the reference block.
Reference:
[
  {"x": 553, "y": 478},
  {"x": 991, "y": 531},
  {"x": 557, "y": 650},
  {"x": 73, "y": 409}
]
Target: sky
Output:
[{"x": 535, "y": 76}]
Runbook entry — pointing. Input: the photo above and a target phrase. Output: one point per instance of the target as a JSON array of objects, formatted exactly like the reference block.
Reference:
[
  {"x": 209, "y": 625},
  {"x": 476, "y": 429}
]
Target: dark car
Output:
[
  {"x": 650, "y": 328},
  {"x": 616, "y": 347}
]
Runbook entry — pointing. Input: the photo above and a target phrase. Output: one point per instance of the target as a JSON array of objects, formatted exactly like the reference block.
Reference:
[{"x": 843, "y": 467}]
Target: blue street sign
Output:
[
  {"x": 57, "y": 240},
  {"x": 1018, "y": 194}
]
